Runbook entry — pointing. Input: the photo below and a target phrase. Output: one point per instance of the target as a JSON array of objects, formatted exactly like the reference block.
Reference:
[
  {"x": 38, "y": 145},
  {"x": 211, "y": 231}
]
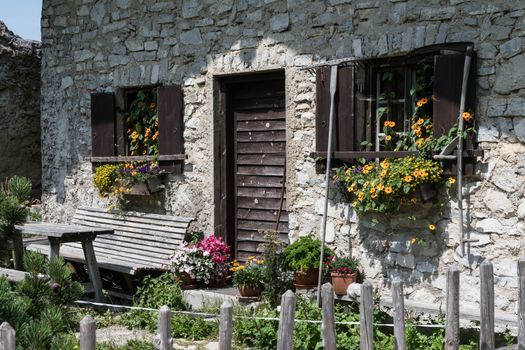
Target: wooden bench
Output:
[
  {"x": 12, "y": 275},
  {"x": 141, "y": 241}
]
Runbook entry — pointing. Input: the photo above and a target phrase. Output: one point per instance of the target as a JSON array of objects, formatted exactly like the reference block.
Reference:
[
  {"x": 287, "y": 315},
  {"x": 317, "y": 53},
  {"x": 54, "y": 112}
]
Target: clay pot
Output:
[
  {"x": 307, "y": 279},
  {"x": 249, "y": 291},
  {"x": 187, "y": 282},
  {"x": 341, "y": 281}
]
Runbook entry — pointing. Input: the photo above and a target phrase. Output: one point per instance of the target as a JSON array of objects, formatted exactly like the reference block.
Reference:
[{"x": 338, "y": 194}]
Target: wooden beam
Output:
[{"x": 124, "y": 159}]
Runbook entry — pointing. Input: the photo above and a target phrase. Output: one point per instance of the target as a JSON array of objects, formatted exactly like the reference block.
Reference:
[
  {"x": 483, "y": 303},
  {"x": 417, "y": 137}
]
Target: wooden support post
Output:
[
  {"x": 486, "y": 331},
  {"x": 399, "y": 315},
  {"x": 88, "y": 333},
  {"x": 19, "y": 251},
  {"x": 286, "y": 321},
  {"x": 226, "y": 326},
  {"x": 366, "y": 313},
  {"x": 92, "y": 266},
  {"x": 164, "y": 329},
  {"x": 452, "y": 320},
  {"x": 328, "y": 326},
  {"x": 7, "y": 337},
  {"x": 521, "y": 304},
  {"x": 54, "y": 247}
]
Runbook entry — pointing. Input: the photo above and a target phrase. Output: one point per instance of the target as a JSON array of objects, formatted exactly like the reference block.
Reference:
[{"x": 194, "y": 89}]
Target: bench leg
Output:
[
  {"x": 54, "y": 248},
  {"x": 92, "y": 266}
]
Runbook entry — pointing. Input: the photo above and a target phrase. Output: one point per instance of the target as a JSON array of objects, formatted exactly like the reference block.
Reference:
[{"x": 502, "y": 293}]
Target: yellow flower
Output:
[
  {"x": 152, "y": 105},
  {"x": 360, "y": 196},
  {"x": 122, "y": 189},
  {"x": 467, "y": 116},
  {"x": 134, "y": 135},
  {"x": 422, "y": 102},
  {"x": 385, "y": 164},
  {"x": 354, "y": 204},
  {"x": 392, "y": 124},
  {"x": 373, "y": 195},
  {"x": 383, "y": 173},
  {"x": 451, "y": 180},
  {"x": 420, "y": 121},
  {"x": 388, "y": 137},
  {"x": 155, "y": 135},
  {"x": 260, "y": 262},
  {"x": 372, "y": 190},
  {"x": 388, "y": 190},
  {"x": 349, "y": 189},
  {"x": 148, "y": 131},
  {"x": 133, "y": 173},
  {"x": 380, "y": 187},
  {"x": 419, "y": 142},
  {"x": 365, "y": 185},
  {"x": 387, "y": 123},
  {"x": 432, "y": 227},
  {"x": 413, "y": 240},
  {"x": 408, "y": 178},
  {"x": 251, "y": 257}
]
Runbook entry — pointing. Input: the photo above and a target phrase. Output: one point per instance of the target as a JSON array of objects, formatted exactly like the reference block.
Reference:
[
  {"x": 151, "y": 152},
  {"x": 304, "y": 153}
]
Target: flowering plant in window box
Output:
[
  {"x": 141, "y": 178},
  {"x": 142, "y": 124},
  {"x": 248, "y": 277},
  {"x": 343, "y": 270}
]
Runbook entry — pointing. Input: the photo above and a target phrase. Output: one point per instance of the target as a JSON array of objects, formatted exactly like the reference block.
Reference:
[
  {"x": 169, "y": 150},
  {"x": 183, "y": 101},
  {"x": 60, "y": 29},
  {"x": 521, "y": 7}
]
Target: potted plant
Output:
[
  {"x": 343, "y": 271},
  {"x": 141, "y": 178},
  {"x": 219, "y": 253},
  {"x": 302, "y": 257},
  {"x": 192, "y": 265},
  {"x": 248, "y": 277}
]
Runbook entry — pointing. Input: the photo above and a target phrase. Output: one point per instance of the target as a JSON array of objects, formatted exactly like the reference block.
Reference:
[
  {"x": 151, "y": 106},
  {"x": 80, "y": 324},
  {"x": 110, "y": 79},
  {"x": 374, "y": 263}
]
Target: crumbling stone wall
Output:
[
  {"x": 93, "y": 46},
  {"x": 19, "y": 108}
]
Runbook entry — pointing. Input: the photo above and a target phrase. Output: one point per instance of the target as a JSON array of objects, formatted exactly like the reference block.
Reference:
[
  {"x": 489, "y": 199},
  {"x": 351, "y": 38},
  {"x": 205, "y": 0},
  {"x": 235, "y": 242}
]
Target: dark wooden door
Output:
[{"x": 258, "y": 120}]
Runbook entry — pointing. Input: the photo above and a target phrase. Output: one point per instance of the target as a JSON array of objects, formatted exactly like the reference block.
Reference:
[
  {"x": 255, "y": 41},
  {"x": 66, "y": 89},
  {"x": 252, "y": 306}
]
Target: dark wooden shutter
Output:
[
  {"x": 103, "y": 124},
  {"x": 343, "y": 133},
  {"x": 170, "y": 125},
  {"x": 448, "y": 77}
]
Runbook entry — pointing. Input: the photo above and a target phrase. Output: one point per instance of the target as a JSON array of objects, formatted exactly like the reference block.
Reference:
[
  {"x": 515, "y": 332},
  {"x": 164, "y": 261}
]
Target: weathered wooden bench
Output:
[
  {"x": 141, "y": 241},
  {"x": 12, "y": 275}
]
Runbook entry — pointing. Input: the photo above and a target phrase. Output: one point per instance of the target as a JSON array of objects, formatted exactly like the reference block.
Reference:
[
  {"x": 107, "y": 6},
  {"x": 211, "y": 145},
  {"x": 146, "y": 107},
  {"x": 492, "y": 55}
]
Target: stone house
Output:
[
  {"x": 19, "y": 108},
  {"x": 240, "y": 107}
]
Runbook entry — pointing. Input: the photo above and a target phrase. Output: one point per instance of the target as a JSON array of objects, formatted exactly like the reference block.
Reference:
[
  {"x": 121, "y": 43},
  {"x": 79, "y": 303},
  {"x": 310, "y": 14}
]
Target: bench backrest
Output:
[{"x": 139, "y": 238}]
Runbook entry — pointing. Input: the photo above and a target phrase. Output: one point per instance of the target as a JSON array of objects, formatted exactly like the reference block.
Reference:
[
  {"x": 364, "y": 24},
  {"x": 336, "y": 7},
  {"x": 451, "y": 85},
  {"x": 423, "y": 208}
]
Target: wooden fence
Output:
[{"x": 164, "y": 341}]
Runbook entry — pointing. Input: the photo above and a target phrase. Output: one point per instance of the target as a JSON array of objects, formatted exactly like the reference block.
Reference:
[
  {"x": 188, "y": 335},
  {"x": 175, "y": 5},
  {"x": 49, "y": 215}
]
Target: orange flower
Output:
[
  {"x": 155, "y": 135},
  {"x": 152, "y": 105},
  {"x": 134, "y": 136},
  {"x": 414, "y": 200},
  {"x": 432, "y": 227},
  {"x": 383, "y": 173},
  {"x": 387, "y": 123},
  {"x": 408, "y": 178},
  {"x": 392, "y": 124},
  {"x": 380, "y": 187},
  {"x": 422, "y": 102},
  {"x": 451, "y": 180},
  {"x": 360, "y": 196},
  {"x": 372, "y": 190},
  {"x": 373, "y": 195},
  {"x": 385, "y": 164},
  {"x": 420, "y": 121},
  {"x": 467, "y": 116},
  {"x": 388, "y": 190},
  {"x": 388, "y": 138}
]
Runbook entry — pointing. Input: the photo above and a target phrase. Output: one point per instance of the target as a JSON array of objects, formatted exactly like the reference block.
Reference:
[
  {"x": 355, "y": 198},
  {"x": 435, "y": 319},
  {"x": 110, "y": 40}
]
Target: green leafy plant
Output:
[
  {"x": 276, "y": 278},
  {"x": 143, "y": 123},
  {"x": 304, "y": 254}
]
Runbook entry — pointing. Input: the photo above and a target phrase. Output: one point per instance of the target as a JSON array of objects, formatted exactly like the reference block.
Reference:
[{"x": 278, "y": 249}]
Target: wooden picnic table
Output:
[{"x": 57, "y": 234}]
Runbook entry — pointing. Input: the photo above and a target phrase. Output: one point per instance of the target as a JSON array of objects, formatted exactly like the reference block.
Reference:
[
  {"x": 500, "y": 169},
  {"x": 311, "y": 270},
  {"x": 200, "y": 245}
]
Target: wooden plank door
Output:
[{"x": 259, "y": 123}]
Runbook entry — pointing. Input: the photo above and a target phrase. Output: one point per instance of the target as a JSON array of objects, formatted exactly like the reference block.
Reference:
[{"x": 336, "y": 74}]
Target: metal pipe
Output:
[
  {"x": 459, "y": 167},
  {"x": 333, "y": 87}
]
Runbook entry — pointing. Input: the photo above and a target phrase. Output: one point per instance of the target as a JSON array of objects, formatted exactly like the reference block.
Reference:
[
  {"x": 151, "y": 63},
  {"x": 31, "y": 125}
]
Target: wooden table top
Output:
[{"x": 62, "y": 230}]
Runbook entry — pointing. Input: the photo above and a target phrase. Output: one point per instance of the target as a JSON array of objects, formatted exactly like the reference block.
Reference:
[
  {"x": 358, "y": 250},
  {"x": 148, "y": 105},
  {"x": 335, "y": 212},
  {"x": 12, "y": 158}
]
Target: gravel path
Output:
[{"x": 120, "y": 335}]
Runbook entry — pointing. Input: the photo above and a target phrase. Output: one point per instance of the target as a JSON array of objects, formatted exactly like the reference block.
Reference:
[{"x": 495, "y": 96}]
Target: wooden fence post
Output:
[
  {"x": 88, "y": 333},
  {"x": 286, "y": 321},
  {"x": 452, "y": 320},
  {"x": 328, "y": 325},
  {"x": 7, "y": 337},
  {"x": 164, "y": 329},
  {"x": 486, "y": 331},
  {"x": 226, "y": 325},
  {"x": 399, "y": 315},
  {"x": 521, "y": 304},
  {"x": 366, "y": 314}
]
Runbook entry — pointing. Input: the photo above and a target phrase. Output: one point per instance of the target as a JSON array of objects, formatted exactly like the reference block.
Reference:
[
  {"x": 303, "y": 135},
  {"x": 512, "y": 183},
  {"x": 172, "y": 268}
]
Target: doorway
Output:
[{"x": 253, "y": 160}]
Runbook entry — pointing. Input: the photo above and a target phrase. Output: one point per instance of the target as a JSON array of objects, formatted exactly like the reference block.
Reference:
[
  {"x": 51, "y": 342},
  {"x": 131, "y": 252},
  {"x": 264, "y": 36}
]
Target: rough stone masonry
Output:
[
  {"x": 19, "y": 108},
  {"x": 95, "y": 46}
]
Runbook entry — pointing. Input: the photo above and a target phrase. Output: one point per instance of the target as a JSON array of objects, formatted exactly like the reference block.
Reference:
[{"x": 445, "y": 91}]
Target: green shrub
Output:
[
  {"x": 38, "y": 308},
  {"x": 304, "y": 253}
]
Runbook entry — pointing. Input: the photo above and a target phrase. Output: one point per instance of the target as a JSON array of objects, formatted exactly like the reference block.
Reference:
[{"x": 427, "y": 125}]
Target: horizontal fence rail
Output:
[{"x": 164, "y": 340}]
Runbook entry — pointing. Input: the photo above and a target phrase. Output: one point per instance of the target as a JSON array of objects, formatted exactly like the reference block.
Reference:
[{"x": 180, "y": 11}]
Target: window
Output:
[
  {"x": 111, "y": 121},
  {"x": 370, "y": 92}
]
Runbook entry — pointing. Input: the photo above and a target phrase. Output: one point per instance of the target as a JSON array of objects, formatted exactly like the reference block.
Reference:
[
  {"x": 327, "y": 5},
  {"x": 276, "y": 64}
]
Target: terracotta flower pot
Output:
[
  {"x": 249, "y": 291},
  {"x": 187, "y": 282},
  {"x": 341, "y": 281},
  {"x": 307, "y": 279}
]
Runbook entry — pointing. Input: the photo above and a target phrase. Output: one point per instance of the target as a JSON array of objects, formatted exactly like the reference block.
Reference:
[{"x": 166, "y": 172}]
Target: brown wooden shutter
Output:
[
  {"x": 103, "y": 124},
  {"x": 343, "y": 133},
  {"x": 170, "y": 125},
  {"x": 448, "y": 77}
]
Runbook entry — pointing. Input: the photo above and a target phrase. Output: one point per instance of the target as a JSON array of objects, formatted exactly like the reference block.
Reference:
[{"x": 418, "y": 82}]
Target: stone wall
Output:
[
  {"x": 19, "y": 108},
  {"x": 93, "y": 46}
]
